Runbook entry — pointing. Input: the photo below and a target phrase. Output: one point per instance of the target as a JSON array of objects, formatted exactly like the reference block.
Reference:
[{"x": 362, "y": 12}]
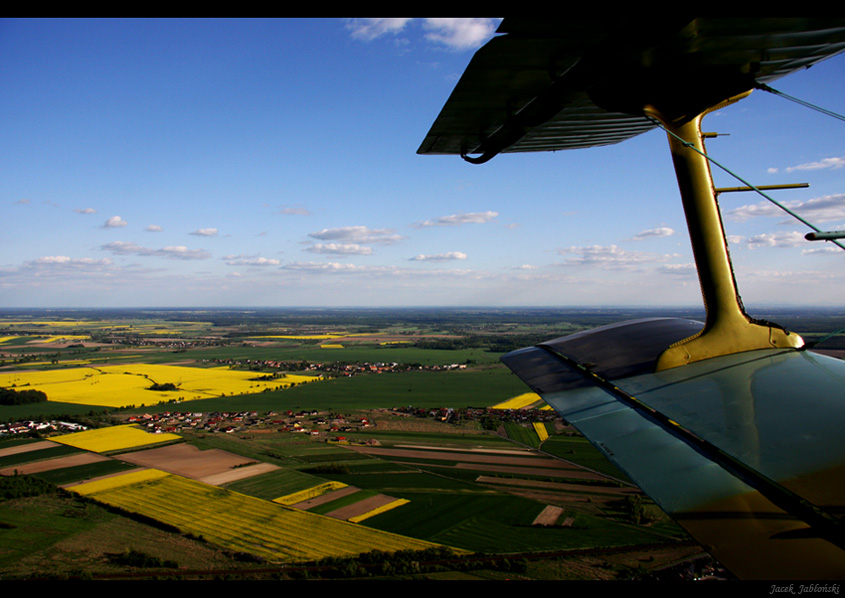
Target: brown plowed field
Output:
[
  {"x": 233, "y": 475},
  {"x": 472, "y": 457},
  {"x": 548, "y": 516},
  {"x": 25, "y": 448},
  {"x": 327, "y": 497},
  {"x": 187, "y": 460},
  {"x": 361, "y": 507},
  {"x": 57, "y": 463}
]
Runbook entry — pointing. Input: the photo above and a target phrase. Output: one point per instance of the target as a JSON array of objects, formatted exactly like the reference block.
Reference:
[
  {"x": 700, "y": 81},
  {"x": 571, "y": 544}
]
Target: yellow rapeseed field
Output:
[
  {"x": 55, "y": 323},
  {"x": 540, "y": 428},
  {"x": 63, "y": 337},
  {"x": 242, "y": 523},
  {"x": 308, "y": 494},
  {"x": 303, "y": 337},
  {"x": 116, "y": 481},
  {"x": 128, "y": 384},
  {"x": 391, "y": 505},
  {"x": 519, "y": 402},
  {"x": 114, "y": 438}
]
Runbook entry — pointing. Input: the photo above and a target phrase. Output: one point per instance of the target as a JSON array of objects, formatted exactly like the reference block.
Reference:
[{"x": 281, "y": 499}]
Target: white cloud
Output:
[
  {"x": 64, "y": 260},
  {"x": 823, "y": 250},
  {"x": 340, "y": 249},
  {"x": 330, "y": 267},
  {"x": 179, "y": 252},
  {"x": 245, "y": 260},
  {"x": 458, "y": 219},
  {"x": 115, "y": 222},
  {"x": 819, "y": 209},
  {"x": 460, "y": 34},
  {"x": 663, "y": 231},
  {"x": 678, "y": 269},
  {"x": 611, "y": 257},
  {"x": 440, "y": 257},
  {"x": 457, "y": 34},
  {"x": 357, "y": 235},
  {"x": 205, "y": 232},
  {"x": 832, "y": 163},
  {"x": 85, "y": 211},
  {"x": 153, "y": 228},
  {"x": 790, "y": 239},
  {"x": 370, "y": 29}
]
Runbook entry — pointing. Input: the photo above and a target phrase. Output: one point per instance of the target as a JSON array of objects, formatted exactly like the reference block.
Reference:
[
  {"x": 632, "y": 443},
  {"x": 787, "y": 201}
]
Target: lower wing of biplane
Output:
[{"x": 745, "y": 451}]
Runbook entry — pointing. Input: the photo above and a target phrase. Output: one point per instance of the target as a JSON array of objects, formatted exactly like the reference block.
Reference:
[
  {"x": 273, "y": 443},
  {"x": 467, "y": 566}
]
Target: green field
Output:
[{"x": 461, "y": 503}]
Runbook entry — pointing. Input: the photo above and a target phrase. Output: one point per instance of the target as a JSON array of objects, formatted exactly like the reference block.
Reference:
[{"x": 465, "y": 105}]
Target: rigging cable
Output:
[
  {"x": 739, "y": 178},
  {"x": 825, "y": 338},
  {"x": 764, "y": 87}
]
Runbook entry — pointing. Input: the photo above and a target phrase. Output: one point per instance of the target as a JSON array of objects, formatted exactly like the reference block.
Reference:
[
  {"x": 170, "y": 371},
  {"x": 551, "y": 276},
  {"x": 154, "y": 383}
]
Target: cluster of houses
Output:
[
  {"x": 25, "y": 427},
  {"x": 338, "y": 368},
  {"x": 449, "y": 414},
  {"x": 301, "y": 422}
]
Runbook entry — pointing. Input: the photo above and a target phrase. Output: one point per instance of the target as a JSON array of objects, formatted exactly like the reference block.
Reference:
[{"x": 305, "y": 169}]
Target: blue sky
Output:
[{"x": 273, "y": 163}]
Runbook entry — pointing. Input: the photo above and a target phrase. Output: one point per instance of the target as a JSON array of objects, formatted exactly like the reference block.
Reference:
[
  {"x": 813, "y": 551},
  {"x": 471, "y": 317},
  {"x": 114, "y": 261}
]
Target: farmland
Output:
[{"x": 265, "y": 441}]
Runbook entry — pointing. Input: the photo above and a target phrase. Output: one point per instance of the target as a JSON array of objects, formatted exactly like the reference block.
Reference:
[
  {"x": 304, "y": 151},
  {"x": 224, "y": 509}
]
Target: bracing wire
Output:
[
  {"x": 739, "y": 178},
  {"x": 764, "y": 87}
]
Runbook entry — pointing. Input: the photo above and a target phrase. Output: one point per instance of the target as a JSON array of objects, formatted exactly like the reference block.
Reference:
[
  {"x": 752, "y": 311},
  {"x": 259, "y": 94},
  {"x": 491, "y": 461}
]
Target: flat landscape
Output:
[{"x": 294, "y": 443}]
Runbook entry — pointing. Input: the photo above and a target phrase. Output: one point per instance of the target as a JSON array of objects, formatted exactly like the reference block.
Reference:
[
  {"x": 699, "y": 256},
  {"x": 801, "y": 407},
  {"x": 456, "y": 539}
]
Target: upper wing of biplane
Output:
[
  {"x": 557, "y": 84},
  {"x": 728, "y": 425}
]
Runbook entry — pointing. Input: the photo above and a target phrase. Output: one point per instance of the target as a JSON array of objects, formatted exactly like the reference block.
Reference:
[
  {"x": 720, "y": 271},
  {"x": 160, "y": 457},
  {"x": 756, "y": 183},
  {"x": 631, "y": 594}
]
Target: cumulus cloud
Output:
[
  {"x": 458, "y": 219},
  {"x": 332, "y": 267},
  {"x": 440, "y": 257},
  {"x": 153, "y": 228},
  {"x": 822, "y": 250},
  {"x": 63, "y": 260},
  {"x": 85, "y": 211},
  {"x": 179, "y": 252},
  {"x": 663, "y": 231},
  {"x": 115, "y": 222},
  {"x": 457, "y": 34},
  {"x": 790, "y": 239},
  {"x": 360, "y": 235},
  {"x": 460, "y": 34},
  {"x": 370, "y": 29},
  {"x": 819, "y": 209},
  {"x": 247, "y": 260},
  {"x": 832, "y": 163},
  {"x": 340, "y": 249},
  {"x": 205, "y": 232},
  {"x": 611, "y": 257}
]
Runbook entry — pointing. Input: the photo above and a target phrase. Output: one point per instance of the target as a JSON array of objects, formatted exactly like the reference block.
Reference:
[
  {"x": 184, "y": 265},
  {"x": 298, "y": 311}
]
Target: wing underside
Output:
[
  {"x": 573, "y": 83},
  {"x": 764, "y": 492}
]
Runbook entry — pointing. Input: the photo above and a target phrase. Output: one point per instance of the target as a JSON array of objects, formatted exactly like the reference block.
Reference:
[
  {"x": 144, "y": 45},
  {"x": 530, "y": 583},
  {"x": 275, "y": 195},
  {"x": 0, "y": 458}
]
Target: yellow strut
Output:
[{"x": 728, "y": 329}]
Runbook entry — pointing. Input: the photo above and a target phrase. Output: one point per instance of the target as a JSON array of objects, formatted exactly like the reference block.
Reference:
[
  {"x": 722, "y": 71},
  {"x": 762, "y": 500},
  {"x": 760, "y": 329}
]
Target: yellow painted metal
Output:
[{"x": 728, "y": 329}]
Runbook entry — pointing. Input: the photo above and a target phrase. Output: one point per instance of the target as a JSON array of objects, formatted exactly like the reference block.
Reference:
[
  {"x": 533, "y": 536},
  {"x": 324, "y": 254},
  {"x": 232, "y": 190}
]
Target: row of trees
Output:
[{"x": 9, "y": 396}]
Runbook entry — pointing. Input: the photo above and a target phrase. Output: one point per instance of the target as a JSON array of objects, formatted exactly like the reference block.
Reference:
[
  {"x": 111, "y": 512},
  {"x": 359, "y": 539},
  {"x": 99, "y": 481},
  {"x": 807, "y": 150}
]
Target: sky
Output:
[{"x": 272, "y": 163}]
